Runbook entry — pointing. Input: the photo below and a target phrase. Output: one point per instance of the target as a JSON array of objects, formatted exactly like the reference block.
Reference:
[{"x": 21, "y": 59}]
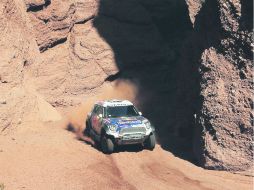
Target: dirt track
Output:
[{"x": 48, "y": 157}]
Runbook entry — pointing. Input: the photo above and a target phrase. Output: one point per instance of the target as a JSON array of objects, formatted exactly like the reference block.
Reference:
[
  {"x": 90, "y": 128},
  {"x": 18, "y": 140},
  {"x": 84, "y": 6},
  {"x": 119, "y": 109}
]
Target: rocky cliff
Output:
[{"x": 190, "y": 60}]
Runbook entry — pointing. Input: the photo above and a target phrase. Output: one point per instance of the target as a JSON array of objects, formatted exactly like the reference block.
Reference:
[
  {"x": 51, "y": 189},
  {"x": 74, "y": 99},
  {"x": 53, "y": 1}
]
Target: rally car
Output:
[{"x": 118, "y": 122}]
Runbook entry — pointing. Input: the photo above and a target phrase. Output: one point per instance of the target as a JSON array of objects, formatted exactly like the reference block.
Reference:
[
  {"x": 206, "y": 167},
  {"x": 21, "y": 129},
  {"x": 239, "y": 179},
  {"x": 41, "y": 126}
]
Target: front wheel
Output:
[
  {"x": 107, "y": 145},
  {"x": 87, "y": 129},
  {"x": 150, "y": 142}
]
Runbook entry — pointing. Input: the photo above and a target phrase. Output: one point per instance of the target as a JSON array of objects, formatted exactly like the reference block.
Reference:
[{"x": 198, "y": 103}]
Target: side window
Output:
[
  {"x": 95, "y": 109},
  {"x": 99, "y": 110}
]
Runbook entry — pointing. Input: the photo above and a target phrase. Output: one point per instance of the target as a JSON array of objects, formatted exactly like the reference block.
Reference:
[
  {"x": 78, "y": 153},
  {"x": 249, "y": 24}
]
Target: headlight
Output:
[
  {"x": 148, "y": 124},
  {"x": 112, "y": 128}
]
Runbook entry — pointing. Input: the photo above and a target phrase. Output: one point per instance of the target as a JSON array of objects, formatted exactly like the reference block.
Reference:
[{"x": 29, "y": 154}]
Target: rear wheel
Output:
[
  {"x": 107, "y": 145},
  {"x": 150, "y": 142}
]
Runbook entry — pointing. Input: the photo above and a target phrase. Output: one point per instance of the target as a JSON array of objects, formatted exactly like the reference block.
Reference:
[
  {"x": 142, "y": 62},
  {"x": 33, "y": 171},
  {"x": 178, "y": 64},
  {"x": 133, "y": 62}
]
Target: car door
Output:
[
  {"x": 93, "y": 116},
  {"x": 97, "y": 119}
]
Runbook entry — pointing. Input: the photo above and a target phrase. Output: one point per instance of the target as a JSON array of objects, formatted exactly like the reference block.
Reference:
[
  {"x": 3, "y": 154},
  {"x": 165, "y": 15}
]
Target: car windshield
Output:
[{"x": 121, "y": 111}]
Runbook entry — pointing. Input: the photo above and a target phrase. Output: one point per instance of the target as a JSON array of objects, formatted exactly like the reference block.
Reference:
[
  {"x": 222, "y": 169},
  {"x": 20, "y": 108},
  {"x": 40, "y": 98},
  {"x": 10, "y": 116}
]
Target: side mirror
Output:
[
  {"x": 140, "y": 113},
  {"x": 100, "y": 115}
]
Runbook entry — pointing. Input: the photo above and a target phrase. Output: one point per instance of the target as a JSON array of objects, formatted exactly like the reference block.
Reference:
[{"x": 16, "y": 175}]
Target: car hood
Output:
[{"x": 125, "y": 121}]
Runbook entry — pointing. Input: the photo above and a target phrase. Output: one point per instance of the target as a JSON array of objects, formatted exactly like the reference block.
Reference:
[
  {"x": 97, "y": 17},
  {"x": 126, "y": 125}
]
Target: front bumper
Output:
[{"x": 131, "y": 138}]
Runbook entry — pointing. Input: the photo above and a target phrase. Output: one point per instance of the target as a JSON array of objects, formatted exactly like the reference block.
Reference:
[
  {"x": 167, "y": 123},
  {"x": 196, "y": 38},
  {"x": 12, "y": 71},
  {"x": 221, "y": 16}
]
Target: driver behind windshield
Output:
[{"x": 121, "y": 111}]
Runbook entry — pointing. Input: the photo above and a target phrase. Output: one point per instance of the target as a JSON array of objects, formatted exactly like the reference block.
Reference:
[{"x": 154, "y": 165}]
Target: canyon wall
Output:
[{"x": 190, "y": 60}]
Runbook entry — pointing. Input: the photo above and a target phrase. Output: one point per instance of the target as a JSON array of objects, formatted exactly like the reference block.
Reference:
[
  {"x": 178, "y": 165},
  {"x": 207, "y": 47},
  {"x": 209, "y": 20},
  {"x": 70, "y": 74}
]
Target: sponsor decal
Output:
[
  {"x": 125, "y": 122},
  {"x": 129, "y": 122},
  {"x": 115, "y": 105},
  {"x": 107, "y": 120}
]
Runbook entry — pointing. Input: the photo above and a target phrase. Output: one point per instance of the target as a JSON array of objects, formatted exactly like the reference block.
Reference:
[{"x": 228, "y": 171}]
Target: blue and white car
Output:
[{"x": 118, "y": 122}]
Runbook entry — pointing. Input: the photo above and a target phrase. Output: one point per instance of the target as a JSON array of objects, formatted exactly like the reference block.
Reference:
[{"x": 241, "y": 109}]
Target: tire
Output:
[
  {"x": 107, "y": 145},
  {"x": 150, "y": 142},
  {"x": 87, "y": 129}
]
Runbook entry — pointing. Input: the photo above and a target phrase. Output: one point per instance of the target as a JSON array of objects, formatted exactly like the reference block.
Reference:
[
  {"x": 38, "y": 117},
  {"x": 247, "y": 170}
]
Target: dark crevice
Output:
[
  {"x": 45, "y": 21},
  {"x": 25, "y": 63},
  {"x": 114, "y": 77},
  {"x": 85, "y": 20},
  {"x": 242, "y": 75},
  {"x": 36, "y": 8},
  {"x": 53, "y": 44},
  {"x": 242, "y": 128}
]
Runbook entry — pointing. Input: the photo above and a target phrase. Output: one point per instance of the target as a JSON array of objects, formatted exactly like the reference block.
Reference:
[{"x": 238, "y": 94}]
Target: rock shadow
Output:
[{"x": 157, "y": 47}]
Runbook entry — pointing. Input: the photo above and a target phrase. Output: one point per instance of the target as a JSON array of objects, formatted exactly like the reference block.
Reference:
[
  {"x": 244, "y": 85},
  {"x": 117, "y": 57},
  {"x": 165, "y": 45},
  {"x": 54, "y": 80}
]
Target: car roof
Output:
[{"x": 113, "y": 103}]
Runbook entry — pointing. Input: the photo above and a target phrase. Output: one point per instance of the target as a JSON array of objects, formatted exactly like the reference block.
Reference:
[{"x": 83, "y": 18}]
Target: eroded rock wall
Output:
[
  {"x": 191, "y": 62},
  {"x": 16, "y": 51},
  {"x": 224, "y": 121}
]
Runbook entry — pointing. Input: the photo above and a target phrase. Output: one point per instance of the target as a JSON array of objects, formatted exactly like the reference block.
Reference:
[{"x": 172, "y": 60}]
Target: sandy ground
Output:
[{"x": 49, "y": 157}]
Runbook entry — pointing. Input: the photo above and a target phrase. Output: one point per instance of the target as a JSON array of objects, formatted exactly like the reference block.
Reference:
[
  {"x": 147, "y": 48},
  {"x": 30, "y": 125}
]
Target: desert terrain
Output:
[{"x": 49, "y": 157}]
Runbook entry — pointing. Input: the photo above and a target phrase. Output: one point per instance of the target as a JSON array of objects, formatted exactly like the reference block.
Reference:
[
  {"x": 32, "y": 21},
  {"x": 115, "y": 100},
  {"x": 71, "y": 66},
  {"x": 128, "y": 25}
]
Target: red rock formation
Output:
[{"x": 191, "y": 62}]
